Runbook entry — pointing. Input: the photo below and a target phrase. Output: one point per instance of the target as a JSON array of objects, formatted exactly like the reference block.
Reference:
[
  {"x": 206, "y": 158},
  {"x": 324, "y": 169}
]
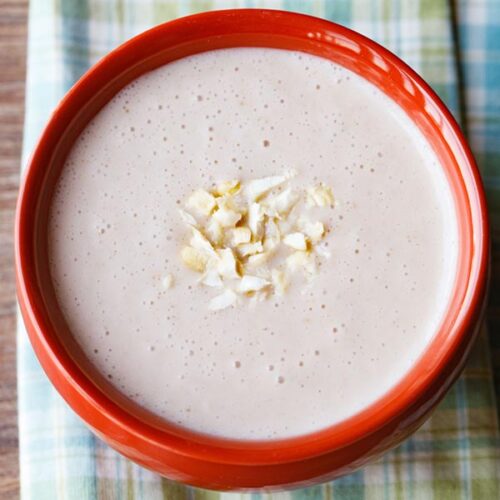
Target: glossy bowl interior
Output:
[{"x": 230, "y": 464}]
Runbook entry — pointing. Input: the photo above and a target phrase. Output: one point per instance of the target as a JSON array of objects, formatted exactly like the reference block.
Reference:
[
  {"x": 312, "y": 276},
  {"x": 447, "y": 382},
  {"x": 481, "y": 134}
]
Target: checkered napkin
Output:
[{"x": 456, "y": 48}]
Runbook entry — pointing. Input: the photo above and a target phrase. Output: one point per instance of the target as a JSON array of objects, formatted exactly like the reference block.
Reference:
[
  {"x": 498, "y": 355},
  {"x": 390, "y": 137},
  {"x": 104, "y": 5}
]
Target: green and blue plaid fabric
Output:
[
  {"x": 456, "y": 48},
  {"x": 479, "y": 43}
]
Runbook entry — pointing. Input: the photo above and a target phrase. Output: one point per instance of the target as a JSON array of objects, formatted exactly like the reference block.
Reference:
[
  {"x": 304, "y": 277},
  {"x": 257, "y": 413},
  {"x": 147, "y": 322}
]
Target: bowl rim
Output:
[{"x": 214, "y": 448}]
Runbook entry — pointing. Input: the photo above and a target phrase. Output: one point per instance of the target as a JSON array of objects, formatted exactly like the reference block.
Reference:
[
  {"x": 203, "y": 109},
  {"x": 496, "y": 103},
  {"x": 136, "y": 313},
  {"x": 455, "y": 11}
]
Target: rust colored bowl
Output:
[{"x": 208, "y": 461}]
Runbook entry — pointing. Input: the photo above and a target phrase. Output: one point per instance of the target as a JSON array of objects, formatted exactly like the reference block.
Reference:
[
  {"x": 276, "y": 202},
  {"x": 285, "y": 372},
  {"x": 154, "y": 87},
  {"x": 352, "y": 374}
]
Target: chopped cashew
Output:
[
  {"x": 321, "y": 196},
  {"x": 284, "y": 202},
  {"x": 252, "y": 284},
  {"x": 195, "y": 259},
  {"x": 255, "y": 189},
  {"x": 323, "y": 251},
  {"x": 240, "y": 235},
  {"x": 313, "y": 230},
  {"x": 257, "y": 260},
  {"x": 214, "y": 231},
  {"x": 199, "y": 242},
  {"x": 296, "y": 241},
  {"x": 226, "y": 217},
  {"x": 250, "y": 249},
  {"x": 167, "y": 282},
  {"x": 228, "y": 187},
  {"x": 187, "y": 218},
  {"x": 255, "y": 217},
  {"x": 226, "y": 265},
  {"x": 223, "y": 301},
  {"x": 211, "y": 278},
  {"x": 245, "y": 228},
  {"x": 201, "y": 201}
]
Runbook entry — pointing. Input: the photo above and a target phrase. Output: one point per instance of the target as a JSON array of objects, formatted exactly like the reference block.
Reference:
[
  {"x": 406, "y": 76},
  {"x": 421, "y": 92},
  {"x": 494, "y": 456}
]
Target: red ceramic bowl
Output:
[{"x": 229, "y": 464}]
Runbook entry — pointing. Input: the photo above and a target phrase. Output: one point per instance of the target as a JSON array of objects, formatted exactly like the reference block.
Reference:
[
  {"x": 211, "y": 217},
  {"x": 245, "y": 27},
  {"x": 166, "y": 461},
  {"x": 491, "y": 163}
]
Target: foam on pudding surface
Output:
[{"x": 293, "y": 364}]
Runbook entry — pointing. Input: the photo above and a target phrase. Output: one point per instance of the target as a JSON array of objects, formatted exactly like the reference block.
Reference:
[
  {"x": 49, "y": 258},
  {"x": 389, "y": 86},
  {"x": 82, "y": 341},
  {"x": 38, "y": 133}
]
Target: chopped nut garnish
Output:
[
  {"x": 257, "y": 260},
  {"x": 296, "y": 241},
  {"x": 320, "y": 196},
  {"x": 223, "y": 301},
  {"x": 200, "y": 242},
  {"x": 250, "y": 249},
  {"x": 242, "y": 235},
  {"x": 255, "y": 218},
  {"x": 201, "y": 201},
  {"x": 252, "y": 284},
  {"x": 284, "y": 202},
  {"x": 187, "y": 218},
  {"x": 227, "y": 187},
  {"x": 226, "y": 217},
  {"x": 195, "y": 259},
  {"x": 226, "y": 265},
  {"x": 272, "y": 236},
  {"x": 257, "y": 188},
  {"x": 323, "y": 252},
  {"x": 313, "y": 230},
  {"x": 212, "y": 278},
  {"x": 168, "y": 281},
  {"x": 214, "y": 231}
]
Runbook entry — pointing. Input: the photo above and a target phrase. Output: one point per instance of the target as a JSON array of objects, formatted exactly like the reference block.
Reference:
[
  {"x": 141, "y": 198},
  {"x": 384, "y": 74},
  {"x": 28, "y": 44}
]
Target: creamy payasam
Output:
[{"x": 252, "y": 243}]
